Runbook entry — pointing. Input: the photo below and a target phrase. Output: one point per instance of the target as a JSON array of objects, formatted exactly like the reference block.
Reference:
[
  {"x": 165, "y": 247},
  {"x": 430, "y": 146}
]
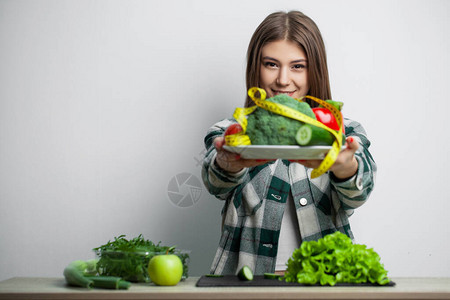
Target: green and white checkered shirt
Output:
[{"x": 255, "y": 199}]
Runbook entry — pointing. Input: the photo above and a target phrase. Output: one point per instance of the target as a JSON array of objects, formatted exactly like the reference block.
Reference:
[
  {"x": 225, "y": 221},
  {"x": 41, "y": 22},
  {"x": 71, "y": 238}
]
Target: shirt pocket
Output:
[{"x": 252, "y": 195}]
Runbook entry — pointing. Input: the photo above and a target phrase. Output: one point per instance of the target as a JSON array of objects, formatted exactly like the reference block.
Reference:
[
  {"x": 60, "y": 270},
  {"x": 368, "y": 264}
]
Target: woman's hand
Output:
[
  {"x": 345, "y": 165},
  {"x": 232, "y": 162}
]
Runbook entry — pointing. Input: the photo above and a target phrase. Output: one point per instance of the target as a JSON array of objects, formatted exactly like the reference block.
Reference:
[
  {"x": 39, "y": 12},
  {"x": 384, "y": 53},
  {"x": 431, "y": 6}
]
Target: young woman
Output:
[{"x": 272, "y": 206}]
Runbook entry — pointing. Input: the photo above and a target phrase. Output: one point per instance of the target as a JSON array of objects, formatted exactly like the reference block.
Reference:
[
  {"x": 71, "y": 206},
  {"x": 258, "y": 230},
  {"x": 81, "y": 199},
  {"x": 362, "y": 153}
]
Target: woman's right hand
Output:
[{"x": 232, "y": 162}]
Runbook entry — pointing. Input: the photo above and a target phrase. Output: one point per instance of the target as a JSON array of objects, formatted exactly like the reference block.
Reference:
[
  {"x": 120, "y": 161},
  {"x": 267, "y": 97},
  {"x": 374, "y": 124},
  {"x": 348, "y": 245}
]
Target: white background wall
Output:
[{"x": 102, "y": 103}]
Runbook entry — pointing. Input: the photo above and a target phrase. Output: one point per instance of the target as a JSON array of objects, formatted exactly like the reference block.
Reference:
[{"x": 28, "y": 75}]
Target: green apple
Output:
[{"x": 165, "y": 269}]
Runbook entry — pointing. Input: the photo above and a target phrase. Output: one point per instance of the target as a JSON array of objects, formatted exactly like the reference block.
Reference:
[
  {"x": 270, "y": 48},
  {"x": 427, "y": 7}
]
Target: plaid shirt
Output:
[{"x": 255, "y": 199}]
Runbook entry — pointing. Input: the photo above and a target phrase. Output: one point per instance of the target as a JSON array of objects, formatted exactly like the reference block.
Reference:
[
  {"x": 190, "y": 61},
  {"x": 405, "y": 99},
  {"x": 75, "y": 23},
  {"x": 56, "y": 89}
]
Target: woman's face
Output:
[{"x": 284, "y": 69}]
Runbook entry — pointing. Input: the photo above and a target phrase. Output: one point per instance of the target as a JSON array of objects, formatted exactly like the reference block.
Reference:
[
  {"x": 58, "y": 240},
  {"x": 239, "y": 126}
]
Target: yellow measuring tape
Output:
[{"x": 243, "y": 139}]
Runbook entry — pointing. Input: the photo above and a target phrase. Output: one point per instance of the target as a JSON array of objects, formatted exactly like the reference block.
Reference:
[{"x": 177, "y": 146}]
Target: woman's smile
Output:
[{"x": 277, "y": 92}]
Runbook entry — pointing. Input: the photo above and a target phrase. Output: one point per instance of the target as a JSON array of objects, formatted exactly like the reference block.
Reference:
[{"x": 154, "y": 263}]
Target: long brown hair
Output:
[{"x": 299, "y": 28}]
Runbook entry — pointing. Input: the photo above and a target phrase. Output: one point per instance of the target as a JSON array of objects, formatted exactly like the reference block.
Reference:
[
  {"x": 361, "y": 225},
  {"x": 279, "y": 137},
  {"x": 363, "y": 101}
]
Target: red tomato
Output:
[
  {"x": 233, "y": 129},
  {"x": 325, "y": 116}
]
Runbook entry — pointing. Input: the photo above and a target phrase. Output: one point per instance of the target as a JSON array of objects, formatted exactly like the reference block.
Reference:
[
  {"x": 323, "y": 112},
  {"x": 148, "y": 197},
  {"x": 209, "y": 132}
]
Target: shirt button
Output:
[{"x": 303, "y": 201}]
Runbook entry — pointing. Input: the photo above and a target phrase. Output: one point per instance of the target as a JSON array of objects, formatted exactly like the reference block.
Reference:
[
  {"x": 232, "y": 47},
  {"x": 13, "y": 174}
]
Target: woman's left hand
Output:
[{"x": 345, "y": 165}]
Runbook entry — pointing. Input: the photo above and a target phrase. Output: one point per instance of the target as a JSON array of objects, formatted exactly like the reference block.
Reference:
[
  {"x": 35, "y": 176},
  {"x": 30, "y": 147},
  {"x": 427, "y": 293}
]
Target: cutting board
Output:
[{"x": 259, "y": 280}]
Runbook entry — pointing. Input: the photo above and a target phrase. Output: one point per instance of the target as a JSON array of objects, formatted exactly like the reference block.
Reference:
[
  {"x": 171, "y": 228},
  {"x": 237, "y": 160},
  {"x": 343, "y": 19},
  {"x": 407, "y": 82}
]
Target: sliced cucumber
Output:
[
  {"x": 308, "y": 135},
  {"x": 245, "y": 273},
  {"x": 271, "y": 276}
]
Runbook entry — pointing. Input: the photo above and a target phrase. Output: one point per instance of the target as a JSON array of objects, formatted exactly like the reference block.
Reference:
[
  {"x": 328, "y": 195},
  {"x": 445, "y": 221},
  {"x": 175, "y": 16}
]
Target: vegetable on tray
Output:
[
  {"x": 335, "y": 259},
  {"x": 233, "y": 129},
  {"x": 268, "y": 128},
  {"x": 308, "y": 135},
  {"x": 325, "y": 116}
]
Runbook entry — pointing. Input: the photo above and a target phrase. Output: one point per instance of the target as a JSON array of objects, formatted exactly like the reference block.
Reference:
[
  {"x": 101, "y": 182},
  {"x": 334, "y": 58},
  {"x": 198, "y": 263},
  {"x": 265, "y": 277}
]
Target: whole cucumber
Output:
[{"x": 74, "y": 277}]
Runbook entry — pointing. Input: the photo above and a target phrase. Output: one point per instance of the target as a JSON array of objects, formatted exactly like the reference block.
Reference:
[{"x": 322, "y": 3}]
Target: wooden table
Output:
[{"x": 55, "y": 288}]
